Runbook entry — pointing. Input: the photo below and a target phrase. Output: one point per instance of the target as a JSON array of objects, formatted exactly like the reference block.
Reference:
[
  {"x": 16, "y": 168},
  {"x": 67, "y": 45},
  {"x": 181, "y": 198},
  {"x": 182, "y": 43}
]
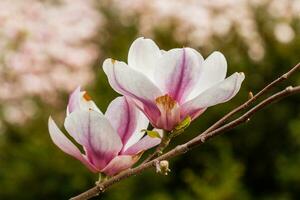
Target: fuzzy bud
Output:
[{"x": 162, "y": 167}]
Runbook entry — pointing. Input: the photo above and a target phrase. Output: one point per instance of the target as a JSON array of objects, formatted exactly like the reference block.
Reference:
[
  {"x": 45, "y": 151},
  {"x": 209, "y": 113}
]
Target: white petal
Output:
[
  {"x": 219, "y": 93},
  {"x": 66, "y": 145},
  {"x": 141, "y": 123},
  {"x": 177, "y": 72},
  {"x": 143, "y": 55},
  {"x": 144, "y": 144},
  {"x": 130, "y": 82},
  {"x": 80, "y": 100},
  {"x": 213, "y": 71},
  {"x": 127, "y": 120}
]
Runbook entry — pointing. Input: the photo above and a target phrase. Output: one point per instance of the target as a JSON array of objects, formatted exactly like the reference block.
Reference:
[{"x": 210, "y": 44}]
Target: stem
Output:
[
  {"x": 160, "y": 148},
  {"x": 102, "y": 178}
]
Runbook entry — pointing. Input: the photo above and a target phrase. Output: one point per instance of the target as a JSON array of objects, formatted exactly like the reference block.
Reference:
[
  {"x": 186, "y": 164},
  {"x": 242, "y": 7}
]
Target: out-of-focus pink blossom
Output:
[
  {"x": 45, "y": 47},
  {"x": 112, "y": 142},
  {"x": 169, "y": 86},
  {"x": 197, "y": 22}
]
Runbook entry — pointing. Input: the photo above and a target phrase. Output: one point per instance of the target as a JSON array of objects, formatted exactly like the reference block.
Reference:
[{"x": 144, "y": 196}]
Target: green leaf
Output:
[
  {"x": 183, "y": 124},
  {"x": 152, "y": 134}
]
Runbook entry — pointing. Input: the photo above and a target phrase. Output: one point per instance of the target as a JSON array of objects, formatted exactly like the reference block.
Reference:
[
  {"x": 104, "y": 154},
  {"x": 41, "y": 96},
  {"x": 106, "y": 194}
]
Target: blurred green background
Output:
[{"x": 258, "y": 160}]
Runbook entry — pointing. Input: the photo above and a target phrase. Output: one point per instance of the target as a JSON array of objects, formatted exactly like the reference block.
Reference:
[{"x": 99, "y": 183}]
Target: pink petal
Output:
[
  {"x": 141, "y": 123},
  {"x": 214, "y": 70},
  {"x": 127, "y": 120},
  {"x": 119, "y": 164},
  {"x": 133, "y": 84},
  {"x": 177, "y": 72},
  {"x": 169, "y": 113},
  {"x": 130, "y": 82},
  {"x": 66, "y": 145},
  {"x": 144, "y": 144},
  {"x": 73, "y": 100},
  {"x": 143, "y": 55},
  {"x": 193, "y": 113},
  {"x": 151, "y": 111},
  {"x": 93, "y": 131},
  {"x": 219, "y": 93},
  {"x": 80, "y": 100}
]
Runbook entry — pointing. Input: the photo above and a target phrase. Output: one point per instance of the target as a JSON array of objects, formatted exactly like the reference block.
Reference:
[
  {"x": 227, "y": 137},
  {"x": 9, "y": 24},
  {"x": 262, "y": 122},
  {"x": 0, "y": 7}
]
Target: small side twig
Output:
[{"x": 160, "y": 148}]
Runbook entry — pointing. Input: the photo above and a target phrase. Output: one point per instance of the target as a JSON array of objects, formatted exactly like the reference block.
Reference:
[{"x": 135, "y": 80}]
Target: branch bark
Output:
[
  {"x": 198, "y": 140},
  {"x": 254, "y": 98},
  {"x": 160, "y": 148}
]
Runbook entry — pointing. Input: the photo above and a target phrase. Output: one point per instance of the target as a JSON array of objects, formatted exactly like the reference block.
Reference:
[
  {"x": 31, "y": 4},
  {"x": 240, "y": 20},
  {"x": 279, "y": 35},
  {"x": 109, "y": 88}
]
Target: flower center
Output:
[{"x": 165, "y": 102}]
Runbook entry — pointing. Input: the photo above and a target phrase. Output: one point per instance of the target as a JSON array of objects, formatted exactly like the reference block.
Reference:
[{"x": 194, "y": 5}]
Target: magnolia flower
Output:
[
  {"x": 112, "y": 142},
  {"x": 169, "y": 86}
]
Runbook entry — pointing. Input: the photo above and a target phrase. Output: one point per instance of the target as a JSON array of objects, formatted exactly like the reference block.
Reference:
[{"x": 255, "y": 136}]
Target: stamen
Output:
[
  {"x": 86, "y": 96},
  {"x": 166, "y": 102}
]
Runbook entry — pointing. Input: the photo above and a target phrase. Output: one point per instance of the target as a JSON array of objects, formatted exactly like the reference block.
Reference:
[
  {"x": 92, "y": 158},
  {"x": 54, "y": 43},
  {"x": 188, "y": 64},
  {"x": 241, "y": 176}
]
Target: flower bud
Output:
[{"x": 162, "y": 167}]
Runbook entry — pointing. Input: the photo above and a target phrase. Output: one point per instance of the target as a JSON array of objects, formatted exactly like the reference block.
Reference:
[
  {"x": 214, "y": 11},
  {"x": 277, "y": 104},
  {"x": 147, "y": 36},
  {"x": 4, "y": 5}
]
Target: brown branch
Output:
[
  {"x": 160, "y": 148},
  {"x": 181, "y": 149},
  {"x": 241, "y": 107},
  {"x": 252, "y": 99}
]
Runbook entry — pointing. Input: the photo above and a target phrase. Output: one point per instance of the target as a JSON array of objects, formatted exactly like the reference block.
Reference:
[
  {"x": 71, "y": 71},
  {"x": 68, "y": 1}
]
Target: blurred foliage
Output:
[{"x": 258, "y": 160}]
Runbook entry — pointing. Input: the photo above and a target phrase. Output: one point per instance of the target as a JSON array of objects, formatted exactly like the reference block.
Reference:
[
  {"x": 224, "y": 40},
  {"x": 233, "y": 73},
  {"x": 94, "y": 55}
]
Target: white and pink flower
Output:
[
  {"x": 169, "y": 86},
  {"x": 112, "y": 142}
]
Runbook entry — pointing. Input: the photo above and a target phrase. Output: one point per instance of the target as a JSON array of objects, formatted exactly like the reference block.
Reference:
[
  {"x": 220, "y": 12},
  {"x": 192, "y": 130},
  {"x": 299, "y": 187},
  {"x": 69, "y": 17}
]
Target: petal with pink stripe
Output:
[
  {"x": 219, "y": 93},
  {"x": 120, "y": 163},
  {"x": 177, "y": 72},
  {"x": 67, "y": 146},
  {"x": 93, "y": 131}
]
